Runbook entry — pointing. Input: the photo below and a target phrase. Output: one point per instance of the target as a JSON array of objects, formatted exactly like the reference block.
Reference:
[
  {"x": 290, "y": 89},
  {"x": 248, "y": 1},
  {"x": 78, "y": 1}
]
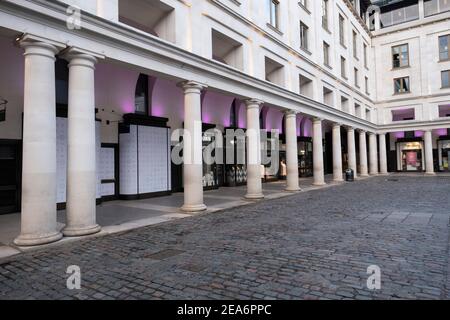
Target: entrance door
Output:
[
  {"x": 109, "y": 171},
  {"x": 412, "y": 160},
  {"x": 9, "y": 176}
]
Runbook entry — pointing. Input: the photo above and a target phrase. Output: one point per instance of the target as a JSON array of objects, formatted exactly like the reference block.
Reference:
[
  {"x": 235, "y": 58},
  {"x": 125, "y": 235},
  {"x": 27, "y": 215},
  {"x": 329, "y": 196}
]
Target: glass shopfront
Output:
[
  {"x": 444, "y": 155},
  {"x": 410, "y": 156},
  {"x": 305, "y": 157},
  {"x": 269, "y": 147},
  {"x": 210, "y": 168},
  {"x": 235, "y": 158}
]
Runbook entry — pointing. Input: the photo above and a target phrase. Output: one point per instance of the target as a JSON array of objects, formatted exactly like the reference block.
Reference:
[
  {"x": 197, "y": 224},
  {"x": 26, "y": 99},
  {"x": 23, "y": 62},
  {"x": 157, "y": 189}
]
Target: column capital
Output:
[
  {"x": 336, "y": 125},
  {"x": 192, "y": 86},
  {"x": 81, "y": 57},
  {"x": 35, "y": 45},
  {"x": 361, "y": 131},
  {"x": 371, "y": 133},
  {"x": 290, "y": 113},
  {"x": 349, "y": 128},
  {"x": 254, "y": 102},
  {"x": 317, "y": 119}
]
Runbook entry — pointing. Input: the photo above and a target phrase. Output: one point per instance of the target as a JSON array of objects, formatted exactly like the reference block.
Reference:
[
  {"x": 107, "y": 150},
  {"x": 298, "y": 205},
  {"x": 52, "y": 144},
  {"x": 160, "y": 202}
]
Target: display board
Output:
[
  {"x": 61, "y": 158},
  {"x": 144, "y": 160}
]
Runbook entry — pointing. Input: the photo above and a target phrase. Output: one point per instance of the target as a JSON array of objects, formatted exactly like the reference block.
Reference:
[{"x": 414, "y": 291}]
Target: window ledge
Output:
[
  {"x": 401, "y": 68},
  {"x": 305, "y": 50},
  {"x": 304, "y": 8},
  {"x": 444, "y": 61},
  {"x": 401, "y": 93},
  {"x": 326, "y": 29},
  {"x": 273, "y": 28},
  {"x": 328, "y": 66}
]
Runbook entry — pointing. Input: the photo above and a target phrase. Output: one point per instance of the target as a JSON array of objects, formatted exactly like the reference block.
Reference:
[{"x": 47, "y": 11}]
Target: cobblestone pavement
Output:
[{"x": 313, "y": 245}]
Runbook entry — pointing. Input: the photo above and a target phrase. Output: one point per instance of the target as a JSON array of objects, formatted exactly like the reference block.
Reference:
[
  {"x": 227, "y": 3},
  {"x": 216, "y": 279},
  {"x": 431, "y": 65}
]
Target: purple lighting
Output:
[
  {"x": 128, "y": 107},
  {"x": 399, "y": 135},
  {"x": 418, "y": 134},
  {"x": 441, "y": 132},
  {"x": 157, "y": 111}
]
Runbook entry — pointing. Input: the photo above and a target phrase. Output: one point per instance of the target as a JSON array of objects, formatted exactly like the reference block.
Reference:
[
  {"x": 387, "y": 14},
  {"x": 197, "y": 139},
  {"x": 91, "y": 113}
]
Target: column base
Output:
[
  {"x": 384, "y": 174},
  {"x": 83, "y": 231},
  {"x": 194, "y": 208},
  {"x": 36, "y": 240},
  {"x": 257, "y": 196},
  {"x": 363, "y": 175},
  {"x": 430, "y": 173},
  {"x": 319, "y": 184},
  {"x": 338, "y": 180},
  {"x": 374, "y": 174},
  {"x": 297, "y": 189}
]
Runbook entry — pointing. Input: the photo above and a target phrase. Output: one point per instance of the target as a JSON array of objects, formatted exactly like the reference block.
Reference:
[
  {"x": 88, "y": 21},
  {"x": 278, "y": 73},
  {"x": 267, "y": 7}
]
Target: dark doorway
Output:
[{"x": 10, "y": 172}]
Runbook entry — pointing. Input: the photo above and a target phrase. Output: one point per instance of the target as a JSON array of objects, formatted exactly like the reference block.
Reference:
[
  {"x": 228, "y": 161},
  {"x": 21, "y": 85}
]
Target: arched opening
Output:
[
  {"x": 141, "y": 95},
  {"x": 234, "y": 114}
]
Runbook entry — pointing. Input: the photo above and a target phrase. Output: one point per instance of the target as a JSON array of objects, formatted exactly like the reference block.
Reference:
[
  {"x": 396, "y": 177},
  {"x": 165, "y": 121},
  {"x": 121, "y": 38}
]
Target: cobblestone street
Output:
[{"x": 312, "y": 245}]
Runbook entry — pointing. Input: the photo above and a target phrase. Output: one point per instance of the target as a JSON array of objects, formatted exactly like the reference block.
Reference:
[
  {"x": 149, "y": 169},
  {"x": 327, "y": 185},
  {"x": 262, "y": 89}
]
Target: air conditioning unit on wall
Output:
[{"x": 3, "y": 104}]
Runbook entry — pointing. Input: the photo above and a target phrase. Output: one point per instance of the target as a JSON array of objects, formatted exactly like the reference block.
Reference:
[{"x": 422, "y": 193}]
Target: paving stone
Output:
[{"x": 312, "y": 245}]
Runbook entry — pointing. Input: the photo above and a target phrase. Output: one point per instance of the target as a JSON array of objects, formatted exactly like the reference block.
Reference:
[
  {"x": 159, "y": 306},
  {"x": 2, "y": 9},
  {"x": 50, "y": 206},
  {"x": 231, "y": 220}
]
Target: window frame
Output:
[
  {"x": 446, "y": 51},
  {"x": 448, "y": 79},
  {"x": 304, "y": 39},
  {"x": 409, "y": 85},
  {"x": 400, "y": 55}
]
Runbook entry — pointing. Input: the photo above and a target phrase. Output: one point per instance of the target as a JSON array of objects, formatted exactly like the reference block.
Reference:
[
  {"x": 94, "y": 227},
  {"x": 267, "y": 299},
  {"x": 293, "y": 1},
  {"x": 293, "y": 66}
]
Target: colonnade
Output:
[{"x": 39, "y": 225}]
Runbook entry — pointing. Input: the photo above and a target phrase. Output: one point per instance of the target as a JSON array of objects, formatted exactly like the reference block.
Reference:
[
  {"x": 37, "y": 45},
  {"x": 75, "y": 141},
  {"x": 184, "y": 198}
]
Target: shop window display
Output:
[{"x": 444, "y": 155}]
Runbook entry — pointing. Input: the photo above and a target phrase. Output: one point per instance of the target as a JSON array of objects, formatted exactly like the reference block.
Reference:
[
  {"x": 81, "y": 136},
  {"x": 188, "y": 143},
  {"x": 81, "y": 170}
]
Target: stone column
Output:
[
  {"x": 351, "y": 150},
  {"x": 319, "y": 174},
  {"x": 429, "y": 162},
  {"x": 337, "y": 153},
  {"x": 81, "y": 150},
  {"x": 364, "y": 172},
  {"x": 373, "y": 160},
  {"x": 291, "y": 152},
  {"x": 383, "y": 154},
  {"x": 254, "y": 181},
  {"x": 38, "y": 218},
  {"x": 193, "y": 153}
]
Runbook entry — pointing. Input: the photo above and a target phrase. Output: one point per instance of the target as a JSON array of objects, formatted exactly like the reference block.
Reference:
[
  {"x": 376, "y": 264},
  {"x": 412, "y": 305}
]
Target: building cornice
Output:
[
  {"x": 288, "y": 48},
  {"x": 49, "y": 18}
]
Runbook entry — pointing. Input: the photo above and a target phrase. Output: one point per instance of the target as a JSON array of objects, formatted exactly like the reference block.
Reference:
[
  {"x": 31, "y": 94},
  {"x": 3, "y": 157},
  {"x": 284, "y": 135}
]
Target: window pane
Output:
[
  {"x": 443, "y": 47},
  {"x": 445, "y": 79}
]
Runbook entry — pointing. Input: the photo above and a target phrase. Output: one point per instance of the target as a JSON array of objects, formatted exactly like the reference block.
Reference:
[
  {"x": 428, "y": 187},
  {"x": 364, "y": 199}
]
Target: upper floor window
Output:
[
  {"x": 356, "y": 73},
  {"x": 401, "y": 85},
  {"x": 342, "y": 30},
  {"x": 273, "y": 7},
  {"x": 303, "y": 3},
  {"x": 366, "y": 58},
  {"x": 396, "y": 12},
  {"x": 325, "y": 14},
  {"x": 432, "y": 7},
  {"x": 355, "y": 44},
  {"x": 326, "y": 54},
  {"x": 366, "y": 81},
  {"x": 445, "y": 79},
  {"x": 141, "y": 95},
  {"x": 400, "y": 56},
  {"x": 303, "y": 36},
  {"x": 343, "y": 68},
  {"x": 443, "y": 47}
]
